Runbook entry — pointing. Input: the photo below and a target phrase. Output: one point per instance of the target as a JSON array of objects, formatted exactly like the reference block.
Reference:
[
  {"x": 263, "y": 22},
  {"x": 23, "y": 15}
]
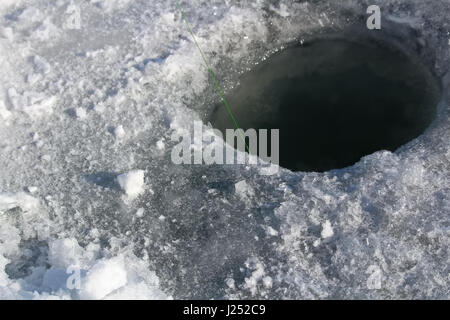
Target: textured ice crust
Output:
[{"x": 84, "y": 101}]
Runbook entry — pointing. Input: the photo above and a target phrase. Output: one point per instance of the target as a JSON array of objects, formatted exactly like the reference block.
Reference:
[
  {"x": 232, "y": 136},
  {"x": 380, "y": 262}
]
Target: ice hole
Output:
[{"x": 334, "y": 101}]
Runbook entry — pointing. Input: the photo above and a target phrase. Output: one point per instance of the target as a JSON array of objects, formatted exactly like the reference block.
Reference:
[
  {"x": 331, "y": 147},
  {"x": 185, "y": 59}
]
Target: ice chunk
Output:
[
  {"x": 251, "y": 283},
  {"x": 140, "y": 212},
  {"x": 12, "y": 200},
  {"x": 244, "y": 190},
  {"x": 46, "y": 30},
  {"x": 104, "y": 277},
  {"x": 139, "y": 290},
  {"x": 160, "y": 145},
  {"x": 32, "y": 189},
  {"x": 271, "y": 231},
  {"x": 30, "y": 14},
  {"x": 111, "y": 5},
  {"x": 327, "y": 230},
  {"x": 41, "y": 65},
  {"x": 3, "y": 276},
  {"x": 119, "y": 132},
  {"x": 80, "y": 113},
  {"x": 230, "y": 283},
  {"x": 4, "y": 112},
  {"x": 7, "y": 33},
  {"x": 132, "y": 182},
  {"x": 375, "y": 277},
  {"x": 7, "y": 3},
  {"x": 267, "y": 281},
  {"x": 64, "y": 253}
]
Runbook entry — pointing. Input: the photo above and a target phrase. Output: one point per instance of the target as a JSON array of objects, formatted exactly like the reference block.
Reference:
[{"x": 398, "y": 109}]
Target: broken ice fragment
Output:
[
  {"x": 41, "y": 65},
  {"x": 140, "y": 212},
  {"x": 327, "y": 230},
  {"x": 80, "y": 113},
  {"x": 243, "y": 190},
  {"x": 119, "y": 132},
  {"x": 32, "y": 189},
  {"x": 160, "y": 145},
  {"x": 132, "y": 182}
]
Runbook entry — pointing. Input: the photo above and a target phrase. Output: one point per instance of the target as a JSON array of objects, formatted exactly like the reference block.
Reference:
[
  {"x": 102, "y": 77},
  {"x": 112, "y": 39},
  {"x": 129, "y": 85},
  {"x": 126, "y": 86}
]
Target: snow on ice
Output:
[{"x": 75, "y": 71}]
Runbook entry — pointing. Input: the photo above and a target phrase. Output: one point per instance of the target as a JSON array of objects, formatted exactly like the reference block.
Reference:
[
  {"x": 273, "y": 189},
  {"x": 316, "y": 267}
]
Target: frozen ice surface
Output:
[{"x": 74, "y": 70}]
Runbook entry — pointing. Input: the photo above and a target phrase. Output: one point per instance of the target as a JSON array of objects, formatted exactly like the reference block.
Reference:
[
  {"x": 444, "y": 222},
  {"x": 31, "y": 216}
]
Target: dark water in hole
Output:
[{"x": 334, "y": 102}]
